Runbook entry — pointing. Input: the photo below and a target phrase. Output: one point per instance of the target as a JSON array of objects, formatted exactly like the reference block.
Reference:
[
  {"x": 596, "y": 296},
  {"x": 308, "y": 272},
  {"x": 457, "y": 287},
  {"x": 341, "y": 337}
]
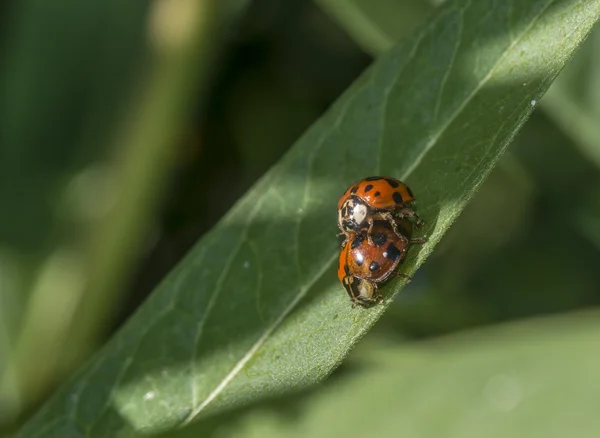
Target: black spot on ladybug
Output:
[
  {"x": 374, "y": 266},
  {"x": 373, "y": 178},
  {"x": 391, "y": 182},
  {"x": 359, "y": 261},
  {"x": 379, "y": 238},
  {"x": 368, "y": 188},
  {"x": 346, "y": 269},
  {"x": 393, "y": 253},
  {"x": 354, "y": 189},
  {"x": 376, "y": 194},
  {"x": 357, "y": 241},
  {"x": 397, "y": 198},
  {"x": 410, "y": 192}
]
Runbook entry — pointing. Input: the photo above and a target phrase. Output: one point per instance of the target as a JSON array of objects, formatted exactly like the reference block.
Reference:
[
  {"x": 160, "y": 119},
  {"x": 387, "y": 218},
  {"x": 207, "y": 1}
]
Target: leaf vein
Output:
[
  {"x": 242, "y": 362},
  {"x": 215, "y": 295},
  {"x": 473, "y": 93},
  {"x": 446, "y": 75},
  {"x": 302, "y": 292},
  {"x": 388, "y": 89}
]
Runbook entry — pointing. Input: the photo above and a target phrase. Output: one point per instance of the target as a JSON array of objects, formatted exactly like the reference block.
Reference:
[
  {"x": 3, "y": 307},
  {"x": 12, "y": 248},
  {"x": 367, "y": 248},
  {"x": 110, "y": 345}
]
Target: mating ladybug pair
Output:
[{"x": 376, "y": 218}]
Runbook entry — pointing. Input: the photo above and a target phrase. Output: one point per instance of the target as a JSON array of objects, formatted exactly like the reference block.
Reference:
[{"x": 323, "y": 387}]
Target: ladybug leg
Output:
[
  {"x": 370, "y": 230},
  {"x": 377, "y": 296},
  {"x": 419, "y": 240},
  {"x": 390, "y": 218},
  {"x": 411, "y": 214},
  {"x": 363, "y": 302},
  {"x": 351, "y": 286},
  {"x": 407, "y": 277},
  {"x": 345, "y": 240},
  {"x": 354, "y": 298}
]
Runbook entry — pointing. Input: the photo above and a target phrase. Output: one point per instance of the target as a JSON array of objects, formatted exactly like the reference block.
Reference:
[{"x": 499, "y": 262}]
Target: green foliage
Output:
[
  {"x": 253, "y": 317},
  {"x": 377, "y": 24},
  {"x": 510, "y": 381},
  {"x": 574, "y": 98},
  {"x": 254, "y": 309},
  {"x": 89, "y": 126}
]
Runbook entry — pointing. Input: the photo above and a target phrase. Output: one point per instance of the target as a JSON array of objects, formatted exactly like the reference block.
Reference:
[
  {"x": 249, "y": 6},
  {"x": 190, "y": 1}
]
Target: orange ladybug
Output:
[
  {"x": 364, "y": 264},
  {"x": 373, "y": 198}
]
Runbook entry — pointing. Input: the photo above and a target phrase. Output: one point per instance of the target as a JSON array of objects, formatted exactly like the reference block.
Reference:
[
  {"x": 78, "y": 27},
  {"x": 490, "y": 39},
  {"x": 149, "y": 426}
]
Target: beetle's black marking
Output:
[
  {"x": 397, "y": 198},
  {"x": 357, "y": 241},
  {"x": 376, "y": 194},
  {"x": 350, "y": 225},
  {"x": 373, "y": 178},
  {"x": 354, "y": 189},
  {"x": 392, "y": 183},
  {"x": 368, "y": 188},
  {"x": 410, "y": 192},
  {"x": 374, "y": 266},
  {"x": 393, "y": 253},
  {"x": 351, "y": 287},
  {"x": 359, "y": 261},
  {"x": 378, "y": 238},
  {"x": 346, "y": 269},
  {"x": 348, "y": 286}
]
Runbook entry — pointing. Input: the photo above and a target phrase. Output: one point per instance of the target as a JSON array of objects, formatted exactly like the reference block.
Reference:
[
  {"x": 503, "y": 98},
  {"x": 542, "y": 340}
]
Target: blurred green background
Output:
[{"x": 127, "y": 129}]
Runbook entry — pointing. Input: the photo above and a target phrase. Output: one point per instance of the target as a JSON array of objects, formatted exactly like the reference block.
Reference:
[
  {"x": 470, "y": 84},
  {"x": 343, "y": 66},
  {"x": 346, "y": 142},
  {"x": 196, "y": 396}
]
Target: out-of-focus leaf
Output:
[
  {"x": 93, "y": 96},
  {"x": 586, "y": 217},
  {"x": 375, "y": 25},
  {"x": 573, "y": 101},
  {"x": 65, "y": 69},
  {"x": 535, "y": 378},
  {"x": 255, "y": 309}
]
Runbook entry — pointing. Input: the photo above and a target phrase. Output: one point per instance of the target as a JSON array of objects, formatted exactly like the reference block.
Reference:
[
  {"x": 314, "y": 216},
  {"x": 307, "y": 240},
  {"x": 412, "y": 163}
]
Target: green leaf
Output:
[
  {"x": 89, "y": 127},
  {"x": 255, "y": 308},
  {"x": 535, "y": 378},
  {"x": 375, "y": 25},
  {"x": 573, "y": 101}
]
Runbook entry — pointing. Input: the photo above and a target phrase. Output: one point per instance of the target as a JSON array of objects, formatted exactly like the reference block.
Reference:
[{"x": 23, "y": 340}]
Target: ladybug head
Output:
[
  {"x": 360, "y": 291},
  {"x": 353, "y": 214}
]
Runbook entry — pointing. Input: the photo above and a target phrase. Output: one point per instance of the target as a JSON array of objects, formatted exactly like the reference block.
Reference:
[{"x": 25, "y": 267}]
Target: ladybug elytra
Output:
[
  {"x": 364, "y": 263},
  {"x": 374, "y": 198}
]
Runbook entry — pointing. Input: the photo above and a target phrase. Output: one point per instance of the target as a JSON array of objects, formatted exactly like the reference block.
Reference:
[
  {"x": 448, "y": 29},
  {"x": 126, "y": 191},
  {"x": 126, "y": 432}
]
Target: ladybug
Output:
[
  {"x": 372, "y": 198},
  {"x": 361, "y": 291},
  {"x": 364, "y": 264}
]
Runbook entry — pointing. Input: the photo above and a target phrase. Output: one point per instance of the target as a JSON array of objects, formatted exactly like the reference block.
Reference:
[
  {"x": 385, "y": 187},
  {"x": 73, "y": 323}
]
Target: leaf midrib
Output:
[{"x": 428, "y": 146}]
